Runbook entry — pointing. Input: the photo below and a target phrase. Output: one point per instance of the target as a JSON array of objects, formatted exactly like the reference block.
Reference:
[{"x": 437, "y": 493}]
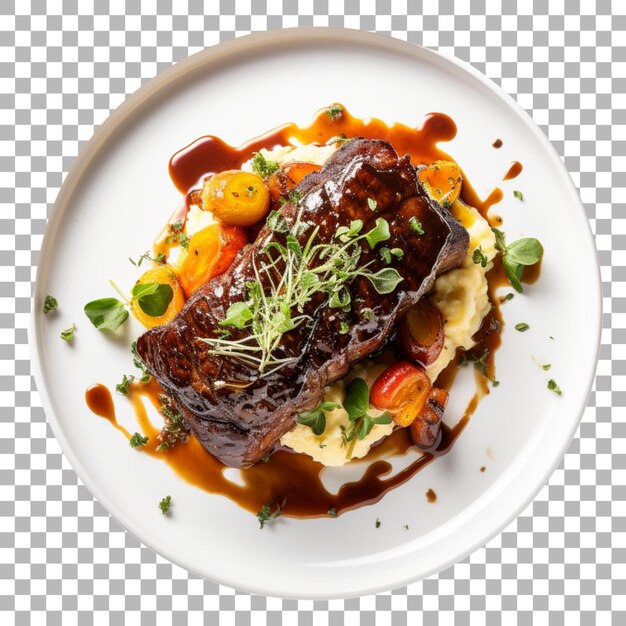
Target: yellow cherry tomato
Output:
[
  {"x": 442, "y": 181},
  {"x": 162, "y": 274},
  {"x": 236, "y": 198}
]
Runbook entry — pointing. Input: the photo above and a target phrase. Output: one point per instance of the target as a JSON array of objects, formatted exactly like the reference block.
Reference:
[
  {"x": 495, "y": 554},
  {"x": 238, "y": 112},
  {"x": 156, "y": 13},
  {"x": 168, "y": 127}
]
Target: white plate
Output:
[{"x": 118, "y": 195}]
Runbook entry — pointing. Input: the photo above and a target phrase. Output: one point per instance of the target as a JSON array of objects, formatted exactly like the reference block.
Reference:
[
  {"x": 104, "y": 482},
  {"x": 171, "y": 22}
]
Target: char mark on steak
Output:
[{"x": 239, "y": 415}]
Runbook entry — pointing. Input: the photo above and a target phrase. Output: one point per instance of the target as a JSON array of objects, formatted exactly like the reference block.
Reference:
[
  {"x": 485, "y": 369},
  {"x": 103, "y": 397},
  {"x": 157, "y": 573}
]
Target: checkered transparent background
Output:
[{"x": 63, "y": 560}]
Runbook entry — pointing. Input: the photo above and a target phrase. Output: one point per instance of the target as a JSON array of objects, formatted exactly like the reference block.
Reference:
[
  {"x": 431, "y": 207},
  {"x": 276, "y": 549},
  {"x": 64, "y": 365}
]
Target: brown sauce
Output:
[
  {"x": 483, "y": 469},
  {"x": 289, "y": 479},
  {"x": 497, "y": 144},
  {"x": 431, "y": 496},
  {"x": 515, "y": 169}
]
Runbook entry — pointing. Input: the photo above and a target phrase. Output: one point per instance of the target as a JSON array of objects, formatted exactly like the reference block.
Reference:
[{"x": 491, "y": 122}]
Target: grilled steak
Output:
[{"x": 238, "y": 413}]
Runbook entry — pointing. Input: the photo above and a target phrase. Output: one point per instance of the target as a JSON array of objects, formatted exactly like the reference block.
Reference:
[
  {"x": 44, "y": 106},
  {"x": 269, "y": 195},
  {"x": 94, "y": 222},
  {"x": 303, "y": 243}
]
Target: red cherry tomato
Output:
[{"x": 401, "y": 389}]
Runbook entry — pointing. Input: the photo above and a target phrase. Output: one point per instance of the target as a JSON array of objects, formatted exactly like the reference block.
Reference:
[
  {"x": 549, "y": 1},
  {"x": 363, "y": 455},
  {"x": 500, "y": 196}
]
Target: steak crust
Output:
[{"x": 235, "y": 413}]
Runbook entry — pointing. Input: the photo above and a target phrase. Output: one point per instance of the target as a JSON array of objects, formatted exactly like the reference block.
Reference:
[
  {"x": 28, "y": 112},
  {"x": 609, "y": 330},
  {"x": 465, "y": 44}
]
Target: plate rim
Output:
[{"x": 131, "y": 105}]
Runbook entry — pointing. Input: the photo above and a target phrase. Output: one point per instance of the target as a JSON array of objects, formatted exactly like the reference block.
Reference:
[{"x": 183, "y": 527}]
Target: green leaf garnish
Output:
[
  {"x": 357, "y": 404},
  {"x": 276, "y": 222},
  {"x": 159, "y": 258},
  {"x": 139, "y": 364},
  {"x": 50, "y": 304},
  {"x": 416, "y": 226},
  {"x": 315, "y": 419},
  {"x": 344, "y": 328},
  {"x": 546, "y": 367},
  {"x": 262, "y": 166},
  {"x": 480, "y": 364},
  {"x": 106, "y": 313},
  {"x": 165, "y": 504},
  {"x": 385, "y": 280},
  {"x": 332, "y": 512},
  {"x": 379, "y": 233},
  {"x": 519, "y": 195},
  {"x": 552, "y": 386},
  {"x": 68, "y": 333},
  {"x": 516, "y": 256},
  {"x": 153, "y": 298},
  {"x": 522, "y": 327},
  {"x": 138, "y": 440},
  {"x": 371, "y": 204}
]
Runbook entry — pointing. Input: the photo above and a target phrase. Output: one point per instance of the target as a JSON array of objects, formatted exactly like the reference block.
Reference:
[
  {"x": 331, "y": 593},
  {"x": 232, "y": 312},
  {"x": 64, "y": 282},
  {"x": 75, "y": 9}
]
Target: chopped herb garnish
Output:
[
  {"x": 123, "y": 387},
  {"x": 294, "y": 273},
  {"x": 416, "y": 226},
  {"x": 315, "y": 419},
  {"x": 546, "y": 367},
  {"x": 50, "y": 304},
  {"x": 139, "y": 364},
  {"x": 480, "y": 363},
  {"x": 251, "y": 190},
  {"x": 262, "y": 166},
  {"x": 334, "y": 112},
  {"x": 368, "y": 314},
  {"x": 106, "y": 313},
  {"x": 357, "y": 405},
  {"x": 479, "y": 257},
  {"x": 163, "y": 446},
  {"x": 552, "y": 386},
  {"x": 159, "y": 258},
  {"x": 406, "y": 527},
  {"x": 266, "y": 514},
  {"x": 276, "y": 222},
  {"x": 371, "y": 204},
  {"x": 519, "y": 195},
  {"x": 68, "y": 333},
  {"x": 173, "y": 431},
  {"x": 340, "y": 140},
  {"x": 183, "y": 240},
  {"x": 176, "y": 227},
  {"x": 265, "y": 458},
  {"x": 516, "y": 256},
  {"x": 522, "y": 327},
  {"x": 446, "y": 204},
  {"x": 332, "y": 512},
  {"x": 377, "y": 523},
  {"x": 344, "y": 328},
  {"x": 138, "y": 440},
  {"x": 165, "y": 504},
  {"x": 509, "y": 296}
]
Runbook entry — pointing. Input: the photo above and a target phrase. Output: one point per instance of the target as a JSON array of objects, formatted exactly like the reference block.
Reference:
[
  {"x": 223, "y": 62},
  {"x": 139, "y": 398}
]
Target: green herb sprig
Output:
[
  {"x": 357, "y": 405},
  {"x": 262, "y": 166},
  {"x": 294, "y": 273},
  {"x": 138, "y": 440},
  {"x": 334, "y": 111},
  {"x": 479, "y": 257},
  {"x": 267, "y": 514},
  {"x": 165, "y": 504},
  {"x": 517, "y": 255}
]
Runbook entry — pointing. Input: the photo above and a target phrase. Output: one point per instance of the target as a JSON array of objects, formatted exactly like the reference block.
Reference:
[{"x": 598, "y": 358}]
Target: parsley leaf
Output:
[
  {"x": 334, "y": 111},
  {"x": 479, "y": 257},
  {"x": 552, "y": 386},
  {"x": 68, "y": 333},
  {"x": 416, "y": 226},
  {"x": 165, "y": 504},
  {"x": 519, "y": 195},
  {"x": 262, "y": 166},
  {"x": 138, "y": 440},
  {"x": 122, "y": 388},
  {"x": 50, "y": 304}
]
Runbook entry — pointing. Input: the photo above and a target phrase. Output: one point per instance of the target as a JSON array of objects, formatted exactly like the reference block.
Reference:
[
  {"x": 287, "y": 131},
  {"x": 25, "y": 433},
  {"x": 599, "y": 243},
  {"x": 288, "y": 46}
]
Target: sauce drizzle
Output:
[{"x": 515, "y": 169}]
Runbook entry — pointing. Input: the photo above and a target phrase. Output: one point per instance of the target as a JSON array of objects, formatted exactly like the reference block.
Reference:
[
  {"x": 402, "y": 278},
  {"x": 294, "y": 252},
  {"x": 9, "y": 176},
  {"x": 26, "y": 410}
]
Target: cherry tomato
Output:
[
  {"x": 210, "y": 253},
  {"x": 402, "y": 389}
]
